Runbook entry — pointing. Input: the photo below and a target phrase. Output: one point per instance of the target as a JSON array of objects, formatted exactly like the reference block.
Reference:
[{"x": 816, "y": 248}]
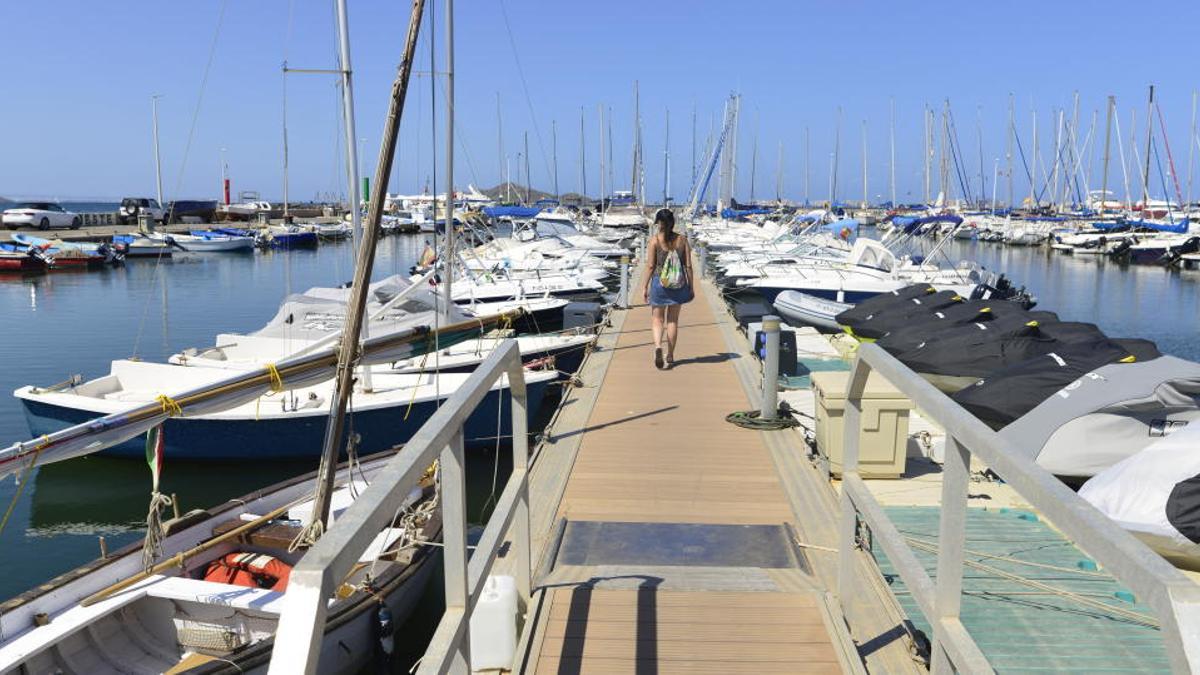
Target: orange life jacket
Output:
[{"x": 252, "y": 570}]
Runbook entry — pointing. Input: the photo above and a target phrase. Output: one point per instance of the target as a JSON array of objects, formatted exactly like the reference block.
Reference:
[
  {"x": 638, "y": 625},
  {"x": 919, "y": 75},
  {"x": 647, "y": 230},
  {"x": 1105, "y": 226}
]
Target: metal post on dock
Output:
[
  {"x": 702, "y": 256},
  {"x": 770, "y": 368},
  {"x": 623, "y": 295}
]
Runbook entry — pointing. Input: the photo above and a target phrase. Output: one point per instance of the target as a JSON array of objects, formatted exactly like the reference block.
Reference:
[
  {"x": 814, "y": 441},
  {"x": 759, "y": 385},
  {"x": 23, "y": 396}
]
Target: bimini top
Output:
[
  {"x": 1010, "y": 392},
  {"x": 1109, "y": 414}
]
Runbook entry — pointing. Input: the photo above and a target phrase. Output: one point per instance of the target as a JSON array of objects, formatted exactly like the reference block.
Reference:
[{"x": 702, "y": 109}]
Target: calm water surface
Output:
[{"x": 58, "y": 324}]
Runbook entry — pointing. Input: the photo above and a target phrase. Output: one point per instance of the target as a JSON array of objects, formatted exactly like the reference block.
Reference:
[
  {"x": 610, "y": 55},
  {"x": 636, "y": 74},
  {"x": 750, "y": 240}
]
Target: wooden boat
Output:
[
  {"x": 68, "y": 255},
  {"x": 192, "y": 614}
]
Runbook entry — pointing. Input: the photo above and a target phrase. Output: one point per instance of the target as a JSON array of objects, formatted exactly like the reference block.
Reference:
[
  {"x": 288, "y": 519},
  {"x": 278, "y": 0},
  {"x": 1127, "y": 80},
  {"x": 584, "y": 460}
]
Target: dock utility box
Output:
[
  {"x": 581, "y": 315},
  {"x": 789, "y": 364},
  {"x": 883, "y": 443}
]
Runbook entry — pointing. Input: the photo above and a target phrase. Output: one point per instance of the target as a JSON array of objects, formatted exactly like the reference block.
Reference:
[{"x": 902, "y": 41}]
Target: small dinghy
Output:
[
  {"x": 213, "y": 604},
  {"x": 70, "y": 254}
]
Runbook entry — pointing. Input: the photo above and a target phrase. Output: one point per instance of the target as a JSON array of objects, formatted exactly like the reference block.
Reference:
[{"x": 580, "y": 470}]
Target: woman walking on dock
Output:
[{"x": 667, "y": 284}]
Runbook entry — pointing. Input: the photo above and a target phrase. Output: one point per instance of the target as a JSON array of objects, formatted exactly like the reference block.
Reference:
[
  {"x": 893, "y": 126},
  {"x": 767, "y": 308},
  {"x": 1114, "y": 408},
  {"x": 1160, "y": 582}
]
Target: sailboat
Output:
[{"x": 212, "y": 602}]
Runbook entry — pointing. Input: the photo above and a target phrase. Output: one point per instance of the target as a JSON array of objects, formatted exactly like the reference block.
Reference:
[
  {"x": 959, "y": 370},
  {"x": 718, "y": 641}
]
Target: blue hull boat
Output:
[{"x": 295, "y": 436}]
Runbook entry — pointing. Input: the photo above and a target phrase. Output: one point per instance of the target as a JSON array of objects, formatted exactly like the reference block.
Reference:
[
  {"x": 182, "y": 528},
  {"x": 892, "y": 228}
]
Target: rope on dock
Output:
[{"x": 752, "y": 419}]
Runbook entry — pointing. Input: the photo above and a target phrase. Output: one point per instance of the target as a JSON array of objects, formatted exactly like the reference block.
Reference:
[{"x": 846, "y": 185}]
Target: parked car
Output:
[
  {"x": 132, "y": 207},
  {"x": 42, "y": 215}
]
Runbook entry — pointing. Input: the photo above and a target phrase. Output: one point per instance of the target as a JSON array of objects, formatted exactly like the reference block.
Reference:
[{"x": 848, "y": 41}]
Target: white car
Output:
[{"x": 42, "y": 215}]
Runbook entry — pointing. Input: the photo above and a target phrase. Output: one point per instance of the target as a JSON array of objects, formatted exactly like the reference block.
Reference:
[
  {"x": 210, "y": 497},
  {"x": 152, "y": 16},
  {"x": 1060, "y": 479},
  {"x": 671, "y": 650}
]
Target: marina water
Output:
[{"x": 59, "y": 324}]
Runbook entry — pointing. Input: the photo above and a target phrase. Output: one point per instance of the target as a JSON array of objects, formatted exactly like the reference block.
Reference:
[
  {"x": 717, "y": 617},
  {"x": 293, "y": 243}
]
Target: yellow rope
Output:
[
  {"x": 413, "y": 399},
  {"x": 169, "y": 406},
  {"x": 276, "y": 380},
  {"x": 45, "y": 442}
]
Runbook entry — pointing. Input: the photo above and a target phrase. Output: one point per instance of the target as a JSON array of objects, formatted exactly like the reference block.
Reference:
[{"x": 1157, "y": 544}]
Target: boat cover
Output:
[
  {"x": 1155, "y": 494},
  {"x": 511, "y": 211},
  {"x": 923, "y": 327},
  {"x": 1109, "y": 414},
  {"x": 883, "y": 302},
  {"x": 319, "y": 312},
  {"x": 979, "y": 349},
  {"x": 898, "y": 314},
  {"x": 1014, "y": 390}
]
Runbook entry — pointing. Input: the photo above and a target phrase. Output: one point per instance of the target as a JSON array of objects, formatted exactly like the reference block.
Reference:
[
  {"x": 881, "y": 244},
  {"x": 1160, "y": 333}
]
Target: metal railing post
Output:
[
  {"x": 956, "y": 473},
  {"x": 520, "y": 533},
  {"x": 770, "y": 368},
  {"x": 702, "y": 256},
  {"x": 623, "y": 294},
  {"x": 454, "y": 538},
  {"x": 848, "y": 526}
]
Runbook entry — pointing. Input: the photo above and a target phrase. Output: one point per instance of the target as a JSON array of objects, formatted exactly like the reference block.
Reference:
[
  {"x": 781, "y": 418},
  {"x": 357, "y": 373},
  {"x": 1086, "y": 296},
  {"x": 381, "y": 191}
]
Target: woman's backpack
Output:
[{"x": 671, "y": 275}]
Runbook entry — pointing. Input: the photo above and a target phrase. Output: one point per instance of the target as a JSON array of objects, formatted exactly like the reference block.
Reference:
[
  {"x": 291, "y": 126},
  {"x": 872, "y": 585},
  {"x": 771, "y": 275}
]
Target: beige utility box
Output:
[{"x": 883, "y": 444}]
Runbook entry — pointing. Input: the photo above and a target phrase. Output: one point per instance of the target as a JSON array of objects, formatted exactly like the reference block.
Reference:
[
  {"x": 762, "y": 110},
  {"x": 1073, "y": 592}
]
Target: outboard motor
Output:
[
  {"x": 1175, "y": 253},
  {"x": 1120, "y": 252}
]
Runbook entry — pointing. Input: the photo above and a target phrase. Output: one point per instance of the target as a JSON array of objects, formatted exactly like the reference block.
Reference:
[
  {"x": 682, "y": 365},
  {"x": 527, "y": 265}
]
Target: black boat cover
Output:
[
  {"x": 898, "y": 313},
  {"x": 979, "y": 349},
  {"x": 1109, "y": 414},
  {"x": 921, "y": 328},
  {"x": 1014, "y": 390},
  {"x": 867, "y": 308}
]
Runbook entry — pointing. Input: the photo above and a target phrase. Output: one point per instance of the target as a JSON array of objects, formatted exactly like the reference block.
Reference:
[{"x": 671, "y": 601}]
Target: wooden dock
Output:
[{"x": 673, "y": 541}]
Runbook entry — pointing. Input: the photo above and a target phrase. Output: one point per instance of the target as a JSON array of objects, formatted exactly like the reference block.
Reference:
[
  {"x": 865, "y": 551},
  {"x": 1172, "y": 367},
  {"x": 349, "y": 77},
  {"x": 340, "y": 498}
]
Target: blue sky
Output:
[{"x": 76, "y": 120}]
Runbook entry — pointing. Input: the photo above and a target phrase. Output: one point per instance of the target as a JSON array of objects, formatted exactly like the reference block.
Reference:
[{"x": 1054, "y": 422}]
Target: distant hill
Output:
[
  {"x": 5, "y": 201},
  {"x": 517, "y": 193}
]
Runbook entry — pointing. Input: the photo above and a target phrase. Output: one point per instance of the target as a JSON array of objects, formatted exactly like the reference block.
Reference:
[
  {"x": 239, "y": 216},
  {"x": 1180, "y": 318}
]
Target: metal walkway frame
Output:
[
  {"x": 314, "y": 579},
  {"x": 1174, "y": 599}
]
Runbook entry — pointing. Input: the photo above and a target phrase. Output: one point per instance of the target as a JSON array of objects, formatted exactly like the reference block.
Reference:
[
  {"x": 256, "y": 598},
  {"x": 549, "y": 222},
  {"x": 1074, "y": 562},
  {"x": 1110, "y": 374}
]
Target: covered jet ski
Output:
[
  {"x": 976, "y": 350},
  {"x": 883, "y": 302},
  {"x": 1155, "y": 495},
  {"x": 1109, "y": 414},
  {"x": 896, "y": 313},
  {"x": 922, "y": 328},
  {"x": 1010, "y": 392}
]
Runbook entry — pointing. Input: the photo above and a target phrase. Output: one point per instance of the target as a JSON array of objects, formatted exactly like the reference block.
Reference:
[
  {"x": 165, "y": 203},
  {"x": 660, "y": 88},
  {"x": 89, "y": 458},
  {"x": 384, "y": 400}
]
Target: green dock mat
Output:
[
  {"x": 1022, "y": 629},
  {"x": 806, "y": 367}
]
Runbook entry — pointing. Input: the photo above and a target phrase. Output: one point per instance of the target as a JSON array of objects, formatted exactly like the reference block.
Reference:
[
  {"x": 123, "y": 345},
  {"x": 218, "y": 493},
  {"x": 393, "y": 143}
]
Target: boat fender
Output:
[
  {"x": 386, "y": 629},
  {"x": 252, "y": 570}
]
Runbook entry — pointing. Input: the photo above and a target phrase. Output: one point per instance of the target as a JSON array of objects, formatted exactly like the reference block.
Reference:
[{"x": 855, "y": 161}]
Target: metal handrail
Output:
[
  {"x": 1173, "y": 598},
  {"x": 314, "y": 579}
]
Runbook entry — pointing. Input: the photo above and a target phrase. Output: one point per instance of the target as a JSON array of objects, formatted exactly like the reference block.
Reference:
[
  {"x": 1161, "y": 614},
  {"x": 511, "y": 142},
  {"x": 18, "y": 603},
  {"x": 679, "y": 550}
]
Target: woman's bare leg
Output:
[
  {"x": 672, "y": 329},
  {"x": 657, "y": 315}
]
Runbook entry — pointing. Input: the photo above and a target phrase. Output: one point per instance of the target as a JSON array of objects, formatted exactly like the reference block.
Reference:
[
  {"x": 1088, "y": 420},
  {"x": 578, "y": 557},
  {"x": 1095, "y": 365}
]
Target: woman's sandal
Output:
[{"x": 658, "y": 358}]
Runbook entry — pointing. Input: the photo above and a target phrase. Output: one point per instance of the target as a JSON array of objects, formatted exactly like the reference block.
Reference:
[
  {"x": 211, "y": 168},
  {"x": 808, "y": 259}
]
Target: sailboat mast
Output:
[
  {"x": 600, "y": 115},
  {"x": 866, "y": 197},
  {"x": 979, "y": 138},
  {"x": 157, "y": 156},
  {"x": 500, "y": 139},
  {"x": 528, "y": 197},
  {"x": 837, "y": 149},
  {"x": 1033, "y": 175},
  {"x": 892, "y": 136},
  {"x": 694, "y": 143},
  {"x": 1149, "y": 137},
  {"x": 667, "y": 161},
  {"x": 348, "y": 116},
  {"x": 779, "y": 175},
  {"x": 807, "y": 172},
  {"x": 351, "y": 346},
  {"x": 1191, "y": 151},
  {"x": 633, "y": 187},
  {"x": 1108, "y": 116},
  {"x": 448, "y": 268},
  {"x": 1008, "y": 153},
  {"x": 582, "y": 160},
  {"x": 754, "y": 157},
  {"x": 928, "y": 148},
  {"x": 554, "y": 154}
]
